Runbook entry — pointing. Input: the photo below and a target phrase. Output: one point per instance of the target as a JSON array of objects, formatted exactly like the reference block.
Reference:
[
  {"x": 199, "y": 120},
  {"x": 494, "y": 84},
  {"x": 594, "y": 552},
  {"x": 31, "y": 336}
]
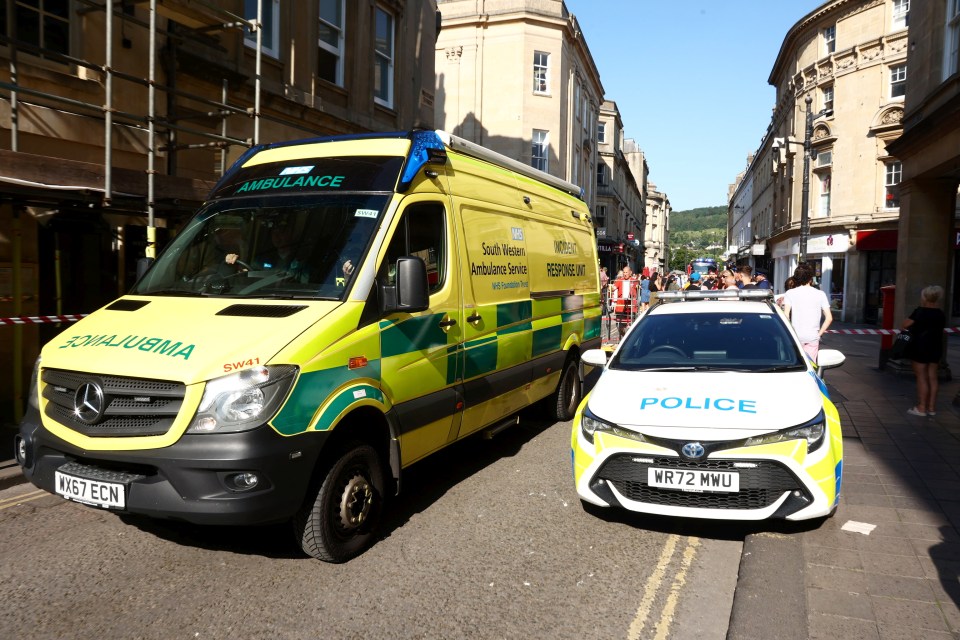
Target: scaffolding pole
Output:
[
  {"x": 151, "y": 251},
  {"x": 108, "y": 111}
]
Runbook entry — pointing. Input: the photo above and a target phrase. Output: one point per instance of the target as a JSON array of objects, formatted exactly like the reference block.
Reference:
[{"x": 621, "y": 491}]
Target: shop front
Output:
[
  {"x": 615, "y": 255},
  {"x": 827, "y": 254},
  {"x": 880, "y": 248}
]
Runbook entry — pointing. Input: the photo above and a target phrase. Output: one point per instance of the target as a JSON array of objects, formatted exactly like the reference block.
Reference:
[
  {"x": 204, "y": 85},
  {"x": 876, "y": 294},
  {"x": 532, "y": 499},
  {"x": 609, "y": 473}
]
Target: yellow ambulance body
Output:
[{"x": 339, "y": 309}]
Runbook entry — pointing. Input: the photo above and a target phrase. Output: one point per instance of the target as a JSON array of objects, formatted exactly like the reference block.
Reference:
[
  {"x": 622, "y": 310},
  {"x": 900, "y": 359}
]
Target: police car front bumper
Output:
[{"x": 766, "y": 486}]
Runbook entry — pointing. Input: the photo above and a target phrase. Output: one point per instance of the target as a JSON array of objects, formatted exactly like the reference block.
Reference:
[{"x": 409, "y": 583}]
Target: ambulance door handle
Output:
[
  {"x": 476, "y": 317},
  {"x": 447, "y": 323}
]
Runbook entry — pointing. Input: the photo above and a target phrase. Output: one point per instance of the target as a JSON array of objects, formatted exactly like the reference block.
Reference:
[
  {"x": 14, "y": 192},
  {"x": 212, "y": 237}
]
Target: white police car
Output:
[{"x": 709, "y": 408}]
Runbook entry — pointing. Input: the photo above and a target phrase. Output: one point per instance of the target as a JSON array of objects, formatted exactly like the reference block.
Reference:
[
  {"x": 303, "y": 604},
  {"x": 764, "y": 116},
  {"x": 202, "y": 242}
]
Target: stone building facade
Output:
[
  {"x": 849, "y": 59},
  {"x": 621, "y": 179},
  {"x": 929, "y": 147},
  {"x": 656, "y": 243},
  {"x": 519, "y": 78},
  {"x": 110, "y": 121}
]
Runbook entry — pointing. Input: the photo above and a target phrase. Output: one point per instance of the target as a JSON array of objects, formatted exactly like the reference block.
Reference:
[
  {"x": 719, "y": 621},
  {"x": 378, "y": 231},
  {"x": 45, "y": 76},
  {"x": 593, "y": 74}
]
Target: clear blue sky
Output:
[{"x": 690, "y": 80}]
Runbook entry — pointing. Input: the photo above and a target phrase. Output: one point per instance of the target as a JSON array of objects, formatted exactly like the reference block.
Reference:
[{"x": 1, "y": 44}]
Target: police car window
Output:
[
  {"x": 421, "y": 233},
  {"x": 743, "y": 341}
]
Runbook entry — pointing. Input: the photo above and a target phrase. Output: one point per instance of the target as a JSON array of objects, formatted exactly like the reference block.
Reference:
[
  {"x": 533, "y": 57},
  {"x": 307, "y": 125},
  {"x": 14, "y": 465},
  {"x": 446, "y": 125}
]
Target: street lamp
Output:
[{"x": 805, "y": 199}]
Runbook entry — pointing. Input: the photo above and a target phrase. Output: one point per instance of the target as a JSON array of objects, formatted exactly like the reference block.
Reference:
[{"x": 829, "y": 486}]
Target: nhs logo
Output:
[{"x": 517, "y": 233}]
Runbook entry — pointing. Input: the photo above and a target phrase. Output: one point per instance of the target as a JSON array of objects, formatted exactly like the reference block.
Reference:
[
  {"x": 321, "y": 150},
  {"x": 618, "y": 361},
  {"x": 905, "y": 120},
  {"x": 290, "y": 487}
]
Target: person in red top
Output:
[{"x": 625, "y": 308}]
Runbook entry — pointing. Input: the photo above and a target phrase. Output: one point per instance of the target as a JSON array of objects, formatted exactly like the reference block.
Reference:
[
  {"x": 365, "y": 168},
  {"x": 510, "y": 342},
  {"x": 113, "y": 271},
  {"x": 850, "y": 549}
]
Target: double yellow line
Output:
[
  {"x": 654, "y": 584},
  {"x": 6, "y": 503}
]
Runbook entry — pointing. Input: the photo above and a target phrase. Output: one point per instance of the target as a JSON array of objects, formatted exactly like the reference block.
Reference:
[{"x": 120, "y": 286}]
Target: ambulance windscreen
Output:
[{"x": 282, "y": 247}]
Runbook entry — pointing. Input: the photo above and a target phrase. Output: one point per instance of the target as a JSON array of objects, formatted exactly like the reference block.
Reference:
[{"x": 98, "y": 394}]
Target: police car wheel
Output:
[
  {"x": 565, "y": 400},
  {"x": 339, "y": 518}
]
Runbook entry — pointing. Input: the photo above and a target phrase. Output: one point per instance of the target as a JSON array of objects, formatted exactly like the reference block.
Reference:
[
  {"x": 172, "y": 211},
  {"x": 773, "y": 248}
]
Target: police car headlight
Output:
[
  {"x": 590, "y": 424},
  {"x": 813, "y": 432},
  {"x": 242, "y": 400}
]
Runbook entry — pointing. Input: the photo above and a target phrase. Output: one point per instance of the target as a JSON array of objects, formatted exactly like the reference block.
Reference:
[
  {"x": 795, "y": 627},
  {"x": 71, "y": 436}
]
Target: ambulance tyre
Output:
[
  {"x": 563, "y": 403},
  {"x": 339, "y": 518}
]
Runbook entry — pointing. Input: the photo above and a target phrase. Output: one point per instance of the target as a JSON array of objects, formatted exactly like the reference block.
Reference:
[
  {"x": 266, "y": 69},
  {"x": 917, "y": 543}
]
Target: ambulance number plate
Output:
[
  {"x": 109, "y": 495},
  {"x": 694, "y": 480}
]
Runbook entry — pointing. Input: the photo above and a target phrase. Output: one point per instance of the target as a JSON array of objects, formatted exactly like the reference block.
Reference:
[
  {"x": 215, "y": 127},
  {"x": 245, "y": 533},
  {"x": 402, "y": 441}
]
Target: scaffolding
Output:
[{"x": 189, "y": 21}]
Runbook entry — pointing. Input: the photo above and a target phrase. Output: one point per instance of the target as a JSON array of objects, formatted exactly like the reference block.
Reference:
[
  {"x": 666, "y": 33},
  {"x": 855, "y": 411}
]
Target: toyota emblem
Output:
[
  {"x": 693, "y": 450},
  {"x": 89, "y": 404}
]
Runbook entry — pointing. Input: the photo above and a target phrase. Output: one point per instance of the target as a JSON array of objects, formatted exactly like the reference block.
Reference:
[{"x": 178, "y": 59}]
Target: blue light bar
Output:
[{"x": 426, "y": 148}]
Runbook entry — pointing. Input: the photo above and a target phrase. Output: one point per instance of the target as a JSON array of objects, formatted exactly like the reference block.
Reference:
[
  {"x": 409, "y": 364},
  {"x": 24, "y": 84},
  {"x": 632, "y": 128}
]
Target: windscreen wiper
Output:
[{"x": 186, "y": 293}]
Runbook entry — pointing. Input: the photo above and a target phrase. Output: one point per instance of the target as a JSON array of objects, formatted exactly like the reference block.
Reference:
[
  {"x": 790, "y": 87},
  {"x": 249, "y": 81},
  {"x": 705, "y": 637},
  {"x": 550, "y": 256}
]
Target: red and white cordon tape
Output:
[
  {"x": 77, "y": 316},
  {"x": 42, "y": 319},
  {"x": 881, "y": 332}
]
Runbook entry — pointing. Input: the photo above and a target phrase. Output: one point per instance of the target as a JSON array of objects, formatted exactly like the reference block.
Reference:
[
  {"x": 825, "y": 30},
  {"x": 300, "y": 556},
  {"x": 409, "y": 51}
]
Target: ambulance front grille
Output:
[
  {"x": 130, "y": 406},
  {"x": 760, "y": 485}
]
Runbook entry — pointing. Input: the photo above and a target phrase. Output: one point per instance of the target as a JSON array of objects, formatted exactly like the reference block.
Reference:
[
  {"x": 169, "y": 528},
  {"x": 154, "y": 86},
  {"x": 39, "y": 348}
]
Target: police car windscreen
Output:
[{"x": 740, "y": 341}]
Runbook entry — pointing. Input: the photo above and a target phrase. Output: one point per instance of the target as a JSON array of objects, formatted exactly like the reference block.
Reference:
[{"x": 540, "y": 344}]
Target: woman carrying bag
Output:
[{"x": 926, "y": 325}]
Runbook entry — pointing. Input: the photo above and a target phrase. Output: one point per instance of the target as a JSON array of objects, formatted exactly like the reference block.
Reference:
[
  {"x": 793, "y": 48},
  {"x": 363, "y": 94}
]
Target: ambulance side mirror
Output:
[{"x": 411, "y": 291}]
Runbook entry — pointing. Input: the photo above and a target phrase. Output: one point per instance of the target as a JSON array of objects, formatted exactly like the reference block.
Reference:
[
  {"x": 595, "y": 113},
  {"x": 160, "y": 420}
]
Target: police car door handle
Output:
[
  {"x": 475, "y": 317},
  {"x": 447, "y": 323}
]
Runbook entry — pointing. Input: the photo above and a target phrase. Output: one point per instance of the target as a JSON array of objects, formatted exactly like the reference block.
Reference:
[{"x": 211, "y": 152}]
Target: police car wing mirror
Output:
[
  {"x": 411, "y": 291},
  {"x": 829, "y": 358},
  {"x": 595, "y": 357}
]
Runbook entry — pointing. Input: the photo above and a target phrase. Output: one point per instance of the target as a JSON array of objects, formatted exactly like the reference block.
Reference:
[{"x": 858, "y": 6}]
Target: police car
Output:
[{"x": 709, "y": 408}]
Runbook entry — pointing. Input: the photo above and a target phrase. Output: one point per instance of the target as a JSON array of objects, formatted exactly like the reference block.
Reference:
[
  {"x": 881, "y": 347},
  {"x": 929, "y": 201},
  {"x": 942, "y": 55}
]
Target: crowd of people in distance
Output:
[
  {"x": 628, "y": 295},
  {"x": 643, "y": 289}
]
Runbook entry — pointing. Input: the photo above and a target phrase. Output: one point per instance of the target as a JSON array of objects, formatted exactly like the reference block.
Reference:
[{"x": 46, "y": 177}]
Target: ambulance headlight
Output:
[
  {"x": 32, "y": 398},
  {"x": 813, "y": 432},
  {"x": 242, "y": 400},
  {"x": 590, "y": 424}
]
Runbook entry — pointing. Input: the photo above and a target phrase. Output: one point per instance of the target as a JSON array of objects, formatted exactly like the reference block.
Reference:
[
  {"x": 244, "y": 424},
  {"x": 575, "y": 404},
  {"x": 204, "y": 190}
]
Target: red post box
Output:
[{"x": 887, "y": 295}]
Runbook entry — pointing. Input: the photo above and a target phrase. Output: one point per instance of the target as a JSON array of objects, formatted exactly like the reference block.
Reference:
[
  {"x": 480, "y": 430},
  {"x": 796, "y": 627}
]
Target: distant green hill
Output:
[
  {"x": 696, "y": 233},
  {"x": 698, "y": 219}
]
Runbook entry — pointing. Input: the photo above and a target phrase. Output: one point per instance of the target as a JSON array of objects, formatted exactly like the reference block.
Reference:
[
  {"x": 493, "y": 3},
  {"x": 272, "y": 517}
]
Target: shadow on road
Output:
[
  {"x": 700, "y": 528},
  {"x": 422, "y": 484}
]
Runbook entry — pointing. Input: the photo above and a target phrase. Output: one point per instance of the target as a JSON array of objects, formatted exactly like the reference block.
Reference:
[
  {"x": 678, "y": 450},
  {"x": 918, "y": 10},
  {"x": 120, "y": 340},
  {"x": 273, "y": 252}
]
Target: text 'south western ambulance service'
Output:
[{"x": 339, "y": 309}]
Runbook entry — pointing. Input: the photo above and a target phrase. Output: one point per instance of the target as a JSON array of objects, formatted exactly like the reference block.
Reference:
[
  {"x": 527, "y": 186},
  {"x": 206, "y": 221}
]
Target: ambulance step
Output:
[{"x": 490, "y": 432}]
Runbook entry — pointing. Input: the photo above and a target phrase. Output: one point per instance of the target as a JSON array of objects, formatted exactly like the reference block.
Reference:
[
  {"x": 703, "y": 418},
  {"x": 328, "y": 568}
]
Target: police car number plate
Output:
[
  {"x": 92, "y": 492},
  {"x": 693, "y": 480}
]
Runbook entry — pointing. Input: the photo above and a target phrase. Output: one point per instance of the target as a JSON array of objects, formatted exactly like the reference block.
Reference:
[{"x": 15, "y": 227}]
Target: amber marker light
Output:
[{"x": 357, "y": 363}]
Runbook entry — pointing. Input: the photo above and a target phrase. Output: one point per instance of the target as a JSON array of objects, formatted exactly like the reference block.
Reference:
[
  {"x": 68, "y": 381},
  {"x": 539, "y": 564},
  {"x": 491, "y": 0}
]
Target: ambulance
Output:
[
  {"x": 339, "y": 309},
  {"x": 709, "y": 408}
]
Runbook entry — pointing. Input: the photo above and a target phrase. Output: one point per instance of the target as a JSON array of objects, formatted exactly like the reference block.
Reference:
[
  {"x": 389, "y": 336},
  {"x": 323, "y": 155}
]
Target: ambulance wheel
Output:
[
  {"x": 339, "y": 518},
  {"x": 562, "y": 405}
]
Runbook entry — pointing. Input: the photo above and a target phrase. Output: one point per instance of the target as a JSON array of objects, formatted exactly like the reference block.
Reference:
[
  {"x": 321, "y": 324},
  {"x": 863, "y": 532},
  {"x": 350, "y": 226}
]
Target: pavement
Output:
[{"x": 887, "y": 564}]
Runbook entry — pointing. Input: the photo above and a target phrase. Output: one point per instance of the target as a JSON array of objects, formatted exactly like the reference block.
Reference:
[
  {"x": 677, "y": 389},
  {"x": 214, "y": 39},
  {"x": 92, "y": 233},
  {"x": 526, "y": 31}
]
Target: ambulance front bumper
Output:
[{"x": 251, "y": 477}]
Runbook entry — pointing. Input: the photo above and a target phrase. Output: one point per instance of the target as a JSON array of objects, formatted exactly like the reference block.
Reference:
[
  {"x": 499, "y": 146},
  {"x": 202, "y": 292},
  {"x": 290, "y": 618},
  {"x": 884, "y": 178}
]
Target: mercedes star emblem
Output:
[{"x": 88, "y": 403}]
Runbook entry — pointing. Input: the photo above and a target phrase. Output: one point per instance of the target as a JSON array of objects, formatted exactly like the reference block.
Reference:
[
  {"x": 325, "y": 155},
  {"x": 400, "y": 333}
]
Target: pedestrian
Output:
[
  {"x": 760, "y": 279},
  {"x": 745, "y": 277},
  {"x": 644, "y": 293},
  {"x": 656, "y": 286},
  {"x": 788, "y": 284},
  {"x": 693, "y": 284},
  {"x": 805, "y": 306},
  {"x": 625, "y": 306},
  {"x": 727, "y": 280},
  {"x": 926, "y": 325},
  {"x": 673, "y": 283}
]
